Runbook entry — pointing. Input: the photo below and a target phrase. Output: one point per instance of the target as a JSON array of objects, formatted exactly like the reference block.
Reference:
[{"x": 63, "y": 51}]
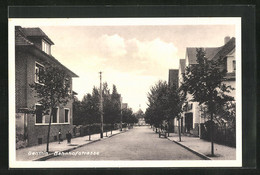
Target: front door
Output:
[{"x": 188, "y": 121}]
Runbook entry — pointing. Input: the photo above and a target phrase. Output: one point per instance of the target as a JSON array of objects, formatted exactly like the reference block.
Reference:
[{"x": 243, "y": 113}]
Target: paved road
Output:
[{"x": 139, "y": 143}]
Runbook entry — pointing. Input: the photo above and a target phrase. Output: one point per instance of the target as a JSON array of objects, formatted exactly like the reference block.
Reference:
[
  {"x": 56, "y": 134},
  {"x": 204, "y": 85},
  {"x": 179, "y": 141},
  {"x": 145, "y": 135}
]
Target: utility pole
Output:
[
  {"x": 101, "y": 107},
  {"x": 121, "y": 115}
]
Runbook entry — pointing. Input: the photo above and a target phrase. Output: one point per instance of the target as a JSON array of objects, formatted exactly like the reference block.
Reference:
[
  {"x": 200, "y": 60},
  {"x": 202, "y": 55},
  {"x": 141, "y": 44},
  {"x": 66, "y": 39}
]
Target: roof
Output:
[
  {"x": 173, "y": 77},
  {"x": 210, "y": 52},
  {"x": 21, "y": 40},
  {"x": 182, "y": 65},
  {"x": 36, "y": 32},
  {"x": 226, "y": 49}
]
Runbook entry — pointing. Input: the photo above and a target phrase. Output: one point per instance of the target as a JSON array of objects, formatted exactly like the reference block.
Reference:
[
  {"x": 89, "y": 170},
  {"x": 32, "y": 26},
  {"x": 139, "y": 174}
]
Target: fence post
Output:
[
  {"x": 225, "y": 133},
  {"x": 89, "y": 134},
  {"x": 111, "y": 128}
]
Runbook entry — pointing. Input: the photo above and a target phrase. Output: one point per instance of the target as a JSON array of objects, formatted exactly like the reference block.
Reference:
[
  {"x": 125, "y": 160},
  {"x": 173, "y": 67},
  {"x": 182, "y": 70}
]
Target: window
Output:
[
  {"x": 46, "y": 47},
  {"x": 39, "y": 70},
  {"x": 39, "y": 112},
  {"x": 234, "y": 65},
  {"x": 67, "y": 115},
  {"x": 55, "y": 115}
]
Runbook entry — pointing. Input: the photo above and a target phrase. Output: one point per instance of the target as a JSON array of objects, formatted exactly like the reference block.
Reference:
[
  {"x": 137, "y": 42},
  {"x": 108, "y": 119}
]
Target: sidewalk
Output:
[
  {"x": 39, "y": 152},
  {"x": 203, "y": 148}
]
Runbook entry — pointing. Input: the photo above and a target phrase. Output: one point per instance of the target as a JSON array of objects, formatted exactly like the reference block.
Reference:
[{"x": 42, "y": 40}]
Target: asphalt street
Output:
[{"x": 139, "y": 143}]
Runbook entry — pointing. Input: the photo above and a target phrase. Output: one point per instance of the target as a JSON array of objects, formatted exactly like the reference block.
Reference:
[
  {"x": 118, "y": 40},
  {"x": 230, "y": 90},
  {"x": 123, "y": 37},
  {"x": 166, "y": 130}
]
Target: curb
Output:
[
  {"x": 67, "y": 150},
  {"x": 191, "y": 150},
  {"x": 70, "y": 149}
]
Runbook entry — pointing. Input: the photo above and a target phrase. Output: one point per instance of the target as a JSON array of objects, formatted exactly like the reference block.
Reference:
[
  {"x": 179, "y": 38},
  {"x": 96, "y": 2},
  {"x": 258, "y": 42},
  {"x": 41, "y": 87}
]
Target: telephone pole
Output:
[
  {"x": 121, "y": 115},
  {"x": 101, "y": 107}
]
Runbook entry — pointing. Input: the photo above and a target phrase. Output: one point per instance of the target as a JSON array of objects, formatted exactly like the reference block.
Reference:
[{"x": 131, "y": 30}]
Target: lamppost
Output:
[
  {"x": 101, "y": 107},
  {"x": 121, "y": 118}
]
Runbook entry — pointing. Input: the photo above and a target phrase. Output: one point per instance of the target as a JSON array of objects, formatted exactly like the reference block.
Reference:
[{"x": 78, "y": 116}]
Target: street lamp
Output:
[
  {"x": 121, "y": 118},
  {"x": 101, "y": 107}
]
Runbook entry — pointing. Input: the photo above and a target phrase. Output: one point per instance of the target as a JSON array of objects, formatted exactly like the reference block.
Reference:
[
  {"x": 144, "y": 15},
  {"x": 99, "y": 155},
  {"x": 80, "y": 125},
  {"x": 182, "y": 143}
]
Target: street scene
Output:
[
  {"x": 125, "y": 92},
  {"x": 139, "y": 143}
]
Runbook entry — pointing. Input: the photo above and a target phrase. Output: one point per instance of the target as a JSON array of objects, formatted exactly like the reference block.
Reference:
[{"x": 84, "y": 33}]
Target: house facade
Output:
[
  {"x": 32, "y": 54},
  {"x": 193, "y": 114}
]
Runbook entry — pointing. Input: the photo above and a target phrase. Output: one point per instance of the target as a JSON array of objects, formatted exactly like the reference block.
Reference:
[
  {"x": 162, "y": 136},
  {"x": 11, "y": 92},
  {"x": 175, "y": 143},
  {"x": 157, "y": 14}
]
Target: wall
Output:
[
  {"x": 25, "y": 97},
  {"x": 20, "y": 80},
  {"x": 40, "y": 131}
]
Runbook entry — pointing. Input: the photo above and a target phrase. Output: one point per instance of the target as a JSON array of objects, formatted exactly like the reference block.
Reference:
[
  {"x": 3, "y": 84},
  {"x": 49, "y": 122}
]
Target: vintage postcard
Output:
[{"x": 125, "y": 92}]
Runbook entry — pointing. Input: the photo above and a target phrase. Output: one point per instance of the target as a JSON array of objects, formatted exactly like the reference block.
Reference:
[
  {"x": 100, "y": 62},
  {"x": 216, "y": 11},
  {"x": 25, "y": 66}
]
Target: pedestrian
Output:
[
  {"x": 74, "y": 131},
  {"x": 59, "y": 136},
  {"x": 68, "y": 136}
]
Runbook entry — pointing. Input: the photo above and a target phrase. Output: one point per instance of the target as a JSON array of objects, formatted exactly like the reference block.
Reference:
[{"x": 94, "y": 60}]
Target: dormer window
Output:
[{"x": 46, "y": 47}]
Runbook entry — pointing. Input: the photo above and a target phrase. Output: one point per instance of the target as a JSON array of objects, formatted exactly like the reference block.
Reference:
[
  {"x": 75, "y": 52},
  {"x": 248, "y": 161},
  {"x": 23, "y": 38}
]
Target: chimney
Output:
[{"x": 226, "y": 39}]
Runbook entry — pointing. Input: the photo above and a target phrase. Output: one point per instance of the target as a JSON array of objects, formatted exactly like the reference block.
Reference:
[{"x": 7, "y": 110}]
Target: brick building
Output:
[{"x": 32, "y": 53}]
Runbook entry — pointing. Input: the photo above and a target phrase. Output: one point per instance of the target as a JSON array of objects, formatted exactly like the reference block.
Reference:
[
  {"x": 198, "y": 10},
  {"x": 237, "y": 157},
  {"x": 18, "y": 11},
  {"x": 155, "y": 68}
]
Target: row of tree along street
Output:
[
  {"x": 87, "y": 111},
  {"x": 204, "y": 82},
  {"x": 54, "y": 91}
]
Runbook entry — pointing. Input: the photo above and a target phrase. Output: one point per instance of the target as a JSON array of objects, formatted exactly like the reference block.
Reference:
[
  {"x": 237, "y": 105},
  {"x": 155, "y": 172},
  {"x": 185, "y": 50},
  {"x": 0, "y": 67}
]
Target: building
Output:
[
  {"x": 173, "y": 80},
  {"x": 193, "y": 117},
  {"x": 32, "y": 54},
  {"x": 140, "y": 117}
]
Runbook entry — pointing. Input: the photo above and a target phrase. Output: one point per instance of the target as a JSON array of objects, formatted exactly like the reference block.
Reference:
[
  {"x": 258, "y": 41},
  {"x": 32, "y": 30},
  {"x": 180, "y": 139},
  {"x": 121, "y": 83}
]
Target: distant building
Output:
[
  {"x": 32, "y": 54},
  {"x": 140, "y": 117}
]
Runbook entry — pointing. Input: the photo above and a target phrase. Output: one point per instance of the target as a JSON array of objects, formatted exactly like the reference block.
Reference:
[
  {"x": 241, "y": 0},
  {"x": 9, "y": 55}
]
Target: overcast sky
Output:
[{"x": 132, "y": 57}]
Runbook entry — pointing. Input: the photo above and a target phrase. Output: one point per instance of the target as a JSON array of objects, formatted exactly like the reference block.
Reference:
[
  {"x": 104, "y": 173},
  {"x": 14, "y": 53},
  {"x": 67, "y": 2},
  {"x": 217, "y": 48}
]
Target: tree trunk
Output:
[
  {"x": 48, "y": 135},
  {"x": 111, "y": 128},
  {"x": 168, "y": 128},
  {"x": 89, "y": 134},
  {"x": 212, "y": 134},
  {"x": 179, "y": 129}
]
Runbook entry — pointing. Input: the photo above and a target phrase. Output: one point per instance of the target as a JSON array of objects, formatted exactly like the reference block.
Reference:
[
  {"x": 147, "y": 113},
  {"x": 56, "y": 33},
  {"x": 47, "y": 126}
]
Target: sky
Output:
[{"x": 133, "y": 58}]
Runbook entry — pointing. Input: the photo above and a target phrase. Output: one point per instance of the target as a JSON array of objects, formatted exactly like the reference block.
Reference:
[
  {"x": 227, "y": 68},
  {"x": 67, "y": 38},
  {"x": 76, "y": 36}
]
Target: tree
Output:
[
  {"x": 204, "y": 81},
  {"x": 176, "y": 99},
  {"x": 87, "y": 110},
  {"x": 164, "y": 103},
  {"x": 128, "y": 116},
  {"x": 77, "y": 112},
  {"x": 111, "y": 105},
  {"x": 53, "y": 91},
  {"x": 157, "y": 104}
]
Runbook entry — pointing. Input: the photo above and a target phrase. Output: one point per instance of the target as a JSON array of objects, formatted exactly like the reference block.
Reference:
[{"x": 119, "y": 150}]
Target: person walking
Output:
[
  {"x": 59, "y": 136},
  {"x": 68, "y": 136}
]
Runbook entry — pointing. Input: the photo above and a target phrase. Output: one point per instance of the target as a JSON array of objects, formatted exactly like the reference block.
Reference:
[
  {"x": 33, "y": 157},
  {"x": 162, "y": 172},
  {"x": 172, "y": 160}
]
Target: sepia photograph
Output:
[{"x": 125, "y": 92}]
